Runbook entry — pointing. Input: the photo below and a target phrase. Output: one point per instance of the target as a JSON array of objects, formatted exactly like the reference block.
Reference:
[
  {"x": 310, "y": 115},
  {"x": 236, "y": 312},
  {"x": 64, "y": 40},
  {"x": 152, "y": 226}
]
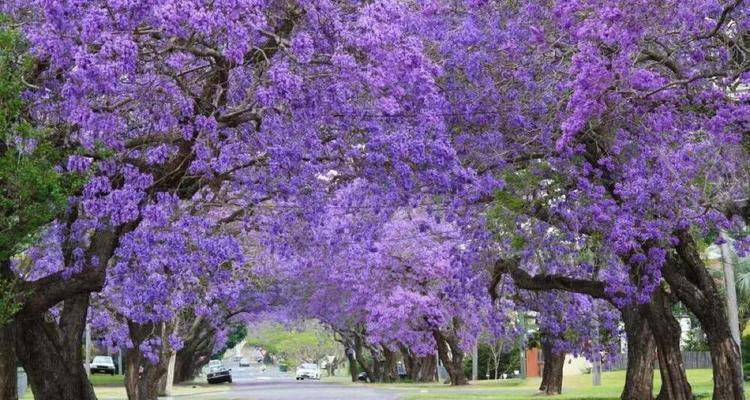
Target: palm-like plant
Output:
[{"x": 742, "y": 277}]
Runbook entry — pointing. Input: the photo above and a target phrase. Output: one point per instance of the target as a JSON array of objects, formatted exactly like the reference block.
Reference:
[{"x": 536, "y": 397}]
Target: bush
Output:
[{"x": 509, "y": 361}]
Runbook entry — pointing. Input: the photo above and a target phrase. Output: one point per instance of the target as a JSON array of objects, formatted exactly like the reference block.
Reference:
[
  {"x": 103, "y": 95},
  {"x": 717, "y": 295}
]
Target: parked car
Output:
[
  {"x": 237, "y": 358},
  {"x": 307, "y": 370},
  {"x": 103, "y": 364},
  {"x": 244, "y": 362},
  {"x": 219, "y": 374}
]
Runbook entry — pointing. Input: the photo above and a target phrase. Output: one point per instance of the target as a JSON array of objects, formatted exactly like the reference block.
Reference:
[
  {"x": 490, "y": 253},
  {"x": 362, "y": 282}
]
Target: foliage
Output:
[
  {"x": 307, "y": 342},
  {"x": 509, "y": 361},
  {"x": 33, "y": 191},
  {"x": 9, "y": 306},
  {"x": 238, "y": 332}
]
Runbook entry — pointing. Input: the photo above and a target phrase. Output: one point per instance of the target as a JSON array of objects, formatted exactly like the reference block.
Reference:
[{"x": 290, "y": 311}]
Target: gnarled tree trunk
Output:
[
  {"x": 8, "y": 389},
  {"x": 353, "y": 370},
  {"x": 419, "y": 369},
  {"x": 666, "y": 331},
  {"x": 51, "y": 355},
  {"x": 451, "y": 356},
  {"x": 639, "y": 377},
  {"x": 195, "y": 352},
  {"x": 142, "y": 376},
  {"x": 389, "y": 365},
  {"x": 552, "y": 374},
  {"x": 688, "y": 277},
  {"x": 362, "y": 361}
]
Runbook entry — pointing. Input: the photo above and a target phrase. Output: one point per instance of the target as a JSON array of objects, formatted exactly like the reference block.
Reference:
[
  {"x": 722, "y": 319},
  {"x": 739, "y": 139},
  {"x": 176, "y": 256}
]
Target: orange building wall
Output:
[{"x": 533, "y": 366}]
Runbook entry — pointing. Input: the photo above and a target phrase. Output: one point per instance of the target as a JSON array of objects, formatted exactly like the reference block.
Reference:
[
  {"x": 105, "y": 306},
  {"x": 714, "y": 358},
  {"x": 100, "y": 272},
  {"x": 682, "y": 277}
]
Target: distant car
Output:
[
  {"x": 103, "y": 364},
  {"x": 244, "y": 362},
  {"x": 237, "y": 358},
  {"x": 307, "y": 370},
  {"x": 219, "y": 374}
]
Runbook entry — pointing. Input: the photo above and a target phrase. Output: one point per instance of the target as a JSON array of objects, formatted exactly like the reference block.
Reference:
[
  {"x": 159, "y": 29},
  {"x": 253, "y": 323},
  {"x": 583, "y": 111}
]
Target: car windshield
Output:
[
  {"x": 309, "y": 366},
  {"x": 103, "y": 360},
  {"x": 216, "y": 369}
]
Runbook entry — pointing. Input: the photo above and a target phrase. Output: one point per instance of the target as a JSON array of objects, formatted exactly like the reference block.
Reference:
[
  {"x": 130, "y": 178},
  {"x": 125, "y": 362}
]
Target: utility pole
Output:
[
  {"x": 475, "y": 362},
  {"x": 88, "y": 350},
  {"x": 727, "y": 261},
  {"x": 523, "y": 346},
  {"x": 596, "y": 364}
]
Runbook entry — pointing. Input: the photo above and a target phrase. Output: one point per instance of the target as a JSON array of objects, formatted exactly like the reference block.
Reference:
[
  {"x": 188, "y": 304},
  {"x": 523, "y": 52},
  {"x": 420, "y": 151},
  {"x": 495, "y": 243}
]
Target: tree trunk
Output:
[
  {"x": 378, "y": 365},
  {"x": 195, "y": 352},
  {"x": 142, "y": 385},
  {"x": 167, "y": 380},
  {"x": 361, "y": 361},
  {"x": 51, "y": 353},
  {"x": 451, "y": 356},
  {"x": 389, "y": 365},
  {"x": 666, "y": 331},
  {"x": 142, "y": 377},
  {"x": 8, "y": 389},
  {"x": 639, "y": 377},
  {"x": 695, "y": 287},
  {"x": 427, "y": 369},
  {"x": 353, "y": 371},
  {"x": 418, "y": 369},
  {"x": 552, "y": 374}
]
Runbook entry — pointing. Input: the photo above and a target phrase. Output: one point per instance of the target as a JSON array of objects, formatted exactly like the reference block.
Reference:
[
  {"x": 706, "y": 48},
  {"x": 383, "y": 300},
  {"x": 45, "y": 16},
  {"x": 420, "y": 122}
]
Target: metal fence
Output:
[{"x": 691, "y": 359}]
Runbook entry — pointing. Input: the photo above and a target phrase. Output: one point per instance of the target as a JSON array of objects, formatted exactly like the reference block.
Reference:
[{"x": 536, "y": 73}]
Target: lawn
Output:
[
  {"x": 112, "y": 387},
  {"x": 574, "y": 387}
]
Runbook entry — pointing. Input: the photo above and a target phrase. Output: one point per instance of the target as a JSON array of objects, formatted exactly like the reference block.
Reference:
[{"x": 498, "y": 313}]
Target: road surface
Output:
[{"x": 253, "y": 383}]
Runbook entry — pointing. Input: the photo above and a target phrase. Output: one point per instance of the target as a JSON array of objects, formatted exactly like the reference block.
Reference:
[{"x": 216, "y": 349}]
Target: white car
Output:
[
  {"x": 310, "y": 371},
  {"x": 103, "y": 364}
]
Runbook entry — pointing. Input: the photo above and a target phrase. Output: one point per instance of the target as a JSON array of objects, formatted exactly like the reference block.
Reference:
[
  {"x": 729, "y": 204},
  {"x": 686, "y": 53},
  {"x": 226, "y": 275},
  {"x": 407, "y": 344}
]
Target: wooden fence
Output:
[{"x": 692, "y": 360}]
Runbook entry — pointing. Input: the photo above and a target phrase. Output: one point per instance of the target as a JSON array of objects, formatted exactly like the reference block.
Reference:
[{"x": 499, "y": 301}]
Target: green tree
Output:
[
  {"x": 32, "y": 191},
  {"x": 305, "y": 342}
]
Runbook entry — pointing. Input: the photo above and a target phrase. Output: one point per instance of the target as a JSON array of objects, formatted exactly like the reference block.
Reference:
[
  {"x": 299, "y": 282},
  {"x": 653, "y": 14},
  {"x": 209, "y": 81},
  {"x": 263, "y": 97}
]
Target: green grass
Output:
[
  {"x": 108, "y": 386},
  {"x": 107, "y": 380},
  {"x": 574, "y": 387}
]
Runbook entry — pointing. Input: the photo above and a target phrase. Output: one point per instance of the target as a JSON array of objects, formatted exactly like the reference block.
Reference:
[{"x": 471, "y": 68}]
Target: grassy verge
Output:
[
  {"x": 574, "y": 387},
  {"x": 112, "y": 387}
]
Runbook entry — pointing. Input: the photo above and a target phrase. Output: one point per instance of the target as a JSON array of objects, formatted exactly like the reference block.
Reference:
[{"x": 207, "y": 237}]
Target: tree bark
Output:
[
  {"x": 666, "y": 331},
  {"x": 389, "y": 365},
  {"x": 418, "y": 369},
  {"x": 167, "y": 380},
  {"x": 8, "y": 388},
  {"x": 639, "y": 377},
  {"x": 353, "y": 371},
  {"x": 694, "y": 286},
  {"x": 361, "y": 361},
  {"x": 142, "y": 377},
  {"x": 451, "y": 356},
  {"x": 552, "y": 374},
  {"x": 50, "y": 353},
  {"x": 195, "y": 352}
]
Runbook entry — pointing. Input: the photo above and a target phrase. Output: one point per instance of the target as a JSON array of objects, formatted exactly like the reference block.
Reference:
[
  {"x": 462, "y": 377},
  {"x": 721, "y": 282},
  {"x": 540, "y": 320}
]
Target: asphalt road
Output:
[{"x": 254, "y": 383}]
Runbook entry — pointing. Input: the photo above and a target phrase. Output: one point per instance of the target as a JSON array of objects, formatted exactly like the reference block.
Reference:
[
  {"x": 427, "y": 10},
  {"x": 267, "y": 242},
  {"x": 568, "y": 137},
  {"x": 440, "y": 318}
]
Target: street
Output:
[{"x": 254, "y": 383}]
